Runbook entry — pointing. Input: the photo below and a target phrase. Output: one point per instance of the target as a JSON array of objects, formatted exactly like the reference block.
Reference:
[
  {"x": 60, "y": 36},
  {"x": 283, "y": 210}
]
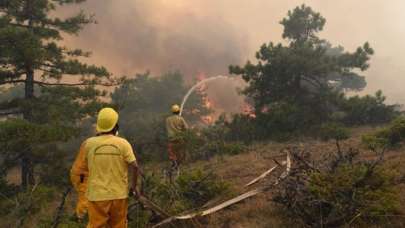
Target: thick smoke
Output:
[
  {"x": 137, "y": 35},
  {"x": 205, "y": 36}
]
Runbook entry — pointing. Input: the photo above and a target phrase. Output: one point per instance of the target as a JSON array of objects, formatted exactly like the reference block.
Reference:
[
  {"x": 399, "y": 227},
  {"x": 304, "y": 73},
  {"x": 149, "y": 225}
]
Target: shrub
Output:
[
  {"x": 333, "y": 131},
  {"x": 146, "y": 131},
  {"x": 389, "y": 136},
  {"x": 206, "y": 143},
  {"x": 284, "y": 120},
  {"x": 241, "y": 128},
  {"x": 350, "y": 191},
  {"x": 281, "y": 121},
  {"x": 18, "y": 208},
  {"x": 338, "y": 191},
  {"x": 368, "y": 110},
  {"x": 192, "y": 189}
]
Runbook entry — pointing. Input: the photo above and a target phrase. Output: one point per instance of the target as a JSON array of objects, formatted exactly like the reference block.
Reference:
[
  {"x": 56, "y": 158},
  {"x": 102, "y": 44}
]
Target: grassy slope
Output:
[
  {"x": 259, "y": 211},
  {"x": 240, "y": 169}
]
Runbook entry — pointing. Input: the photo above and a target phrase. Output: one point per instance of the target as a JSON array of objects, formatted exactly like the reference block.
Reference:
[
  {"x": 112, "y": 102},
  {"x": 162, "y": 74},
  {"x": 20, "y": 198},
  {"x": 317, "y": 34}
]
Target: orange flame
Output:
[
  {"x": 248, "y": 110},
  {"x": 202, "y": 89},
  {"x": 207, "y": 103},
  {"x": 207, "y": 119}
]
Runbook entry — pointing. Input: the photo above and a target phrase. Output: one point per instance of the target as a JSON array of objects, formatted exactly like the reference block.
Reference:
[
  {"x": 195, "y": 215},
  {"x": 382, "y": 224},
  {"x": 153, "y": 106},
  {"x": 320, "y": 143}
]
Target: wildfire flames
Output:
[
  {"x": 248, "y": 110},
  {"x": 209, "y": 104}
]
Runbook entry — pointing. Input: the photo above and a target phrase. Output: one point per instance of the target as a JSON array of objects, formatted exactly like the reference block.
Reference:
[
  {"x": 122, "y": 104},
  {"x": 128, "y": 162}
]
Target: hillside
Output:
[
  {"x": 260, "y": 211},
  {"x": 238, "y": 170}
]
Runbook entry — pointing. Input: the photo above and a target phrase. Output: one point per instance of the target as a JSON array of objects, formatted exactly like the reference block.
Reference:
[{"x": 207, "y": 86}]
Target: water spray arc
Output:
[{"x": 191, "y": 90}]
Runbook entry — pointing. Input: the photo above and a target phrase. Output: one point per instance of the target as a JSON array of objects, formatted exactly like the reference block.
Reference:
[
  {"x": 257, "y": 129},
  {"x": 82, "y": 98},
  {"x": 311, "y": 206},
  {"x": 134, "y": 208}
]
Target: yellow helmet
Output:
[
  {"x": 106, "y": 120},
  {"x": 175, "y": 108}
]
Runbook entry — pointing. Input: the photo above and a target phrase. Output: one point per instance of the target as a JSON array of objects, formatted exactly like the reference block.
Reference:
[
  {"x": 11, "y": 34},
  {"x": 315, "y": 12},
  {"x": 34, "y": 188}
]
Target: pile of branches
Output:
[{"x": 340, "y": 189}]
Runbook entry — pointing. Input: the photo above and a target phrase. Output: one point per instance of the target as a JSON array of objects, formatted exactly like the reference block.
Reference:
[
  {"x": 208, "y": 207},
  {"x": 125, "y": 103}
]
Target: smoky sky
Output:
[
  {"x": 205, "y": 36},
  {"x": 138, "y": 35}
]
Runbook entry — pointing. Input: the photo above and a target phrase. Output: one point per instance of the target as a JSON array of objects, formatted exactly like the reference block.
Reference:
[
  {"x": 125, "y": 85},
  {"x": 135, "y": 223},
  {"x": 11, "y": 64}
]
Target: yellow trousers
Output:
[
  {"x": 80, "y": 185},
  {"x": 108, "y": 213}
]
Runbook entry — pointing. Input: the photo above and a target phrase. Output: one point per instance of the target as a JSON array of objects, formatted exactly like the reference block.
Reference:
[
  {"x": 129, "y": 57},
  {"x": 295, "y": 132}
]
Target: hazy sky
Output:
[{"x": 206, "y": 36}]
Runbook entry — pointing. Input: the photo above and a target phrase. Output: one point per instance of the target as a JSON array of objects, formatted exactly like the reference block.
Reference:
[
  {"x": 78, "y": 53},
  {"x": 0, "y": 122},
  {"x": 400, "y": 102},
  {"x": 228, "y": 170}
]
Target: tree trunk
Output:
[{"x": 27, "y": 168}]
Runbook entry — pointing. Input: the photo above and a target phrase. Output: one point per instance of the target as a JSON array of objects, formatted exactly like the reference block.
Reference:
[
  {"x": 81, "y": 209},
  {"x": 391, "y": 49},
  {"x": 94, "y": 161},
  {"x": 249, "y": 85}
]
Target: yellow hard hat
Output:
[
  {"x": 106, "y": 120},
  {"x": 175, "y": 108}
]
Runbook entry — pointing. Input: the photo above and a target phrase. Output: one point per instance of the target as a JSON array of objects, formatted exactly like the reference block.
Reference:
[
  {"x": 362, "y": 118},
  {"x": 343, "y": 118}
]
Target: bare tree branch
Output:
[
  {"x": 12, "y": 81},
  {"x": 74, "y": 84},
  {"x": 60, "y": 208},
  {"x": 10, "y": 112},
  {"x": 59, "y": 83}
]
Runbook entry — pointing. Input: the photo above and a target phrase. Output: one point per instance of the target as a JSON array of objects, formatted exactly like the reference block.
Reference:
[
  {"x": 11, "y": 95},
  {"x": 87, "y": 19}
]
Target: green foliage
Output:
[
  {"x": 283, "y": 120},
  {"x": 206, "y": 143},
  {"x": 65, "y": 222},
  {"x": 280, "y": 122},
  {"x": 53, "y": 168},
  {"x": 197, "y": 187},
  {"x": 35, "y": 68},
  {"x": 297, "y": 86},
  {"x": 145, "y": 102},
  {"x": 302, "y": 23},
  {"x": 333, "y": 131},
  {"x": 19, "y": 206},
  {"x": 339, "y": 191},
  {"x": 30, "y": 39},
  {"x": 24, "y": 135},
  {"x": 350, "y": 191},
  {"x": 151, "y": 94},
  {"x": 241, "y": 128},
  {"x": 367, "y": 110},
  {"x": 192, "y": 189},
  {"x": 390, "y": 136}
]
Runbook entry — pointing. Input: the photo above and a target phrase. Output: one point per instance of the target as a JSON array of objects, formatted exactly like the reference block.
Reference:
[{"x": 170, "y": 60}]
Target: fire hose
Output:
[{"x": 169, "y": 219}]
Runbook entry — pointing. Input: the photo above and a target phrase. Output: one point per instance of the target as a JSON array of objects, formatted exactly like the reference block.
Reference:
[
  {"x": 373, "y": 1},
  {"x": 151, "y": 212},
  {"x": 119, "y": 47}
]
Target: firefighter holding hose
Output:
[{"x": 175, "y": 126}]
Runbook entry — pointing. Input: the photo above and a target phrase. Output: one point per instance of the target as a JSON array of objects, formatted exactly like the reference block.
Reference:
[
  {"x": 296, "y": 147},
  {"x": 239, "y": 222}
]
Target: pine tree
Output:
[
  {"x": 307, "y": 73},
  {"x": 58, "y": 89}
]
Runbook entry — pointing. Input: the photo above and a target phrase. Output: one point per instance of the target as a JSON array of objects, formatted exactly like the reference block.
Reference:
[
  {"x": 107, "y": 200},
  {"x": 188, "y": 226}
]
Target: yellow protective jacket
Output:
[
  {"x": 78, "y": 177},
  {"x": 175, "y": 124}
]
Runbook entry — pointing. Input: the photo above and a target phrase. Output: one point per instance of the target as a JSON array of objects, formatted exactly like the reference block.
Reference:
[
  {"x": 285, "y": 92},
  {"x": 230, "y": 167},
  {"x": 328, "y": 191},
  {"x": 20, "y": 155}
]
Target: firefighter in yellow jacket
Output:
[
  {"x": 107, "y": 158},
  {"x": 175, "y": 125}
]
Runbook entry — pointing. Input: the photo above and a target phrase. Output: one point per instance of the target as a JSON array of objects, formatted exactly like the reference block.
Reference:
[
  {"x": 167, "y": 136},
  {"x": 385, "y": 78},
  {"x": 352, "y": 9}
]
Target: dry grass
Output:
[
  {"x": 260, "y": 211},
  {"x": 240, "y": 169}
]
